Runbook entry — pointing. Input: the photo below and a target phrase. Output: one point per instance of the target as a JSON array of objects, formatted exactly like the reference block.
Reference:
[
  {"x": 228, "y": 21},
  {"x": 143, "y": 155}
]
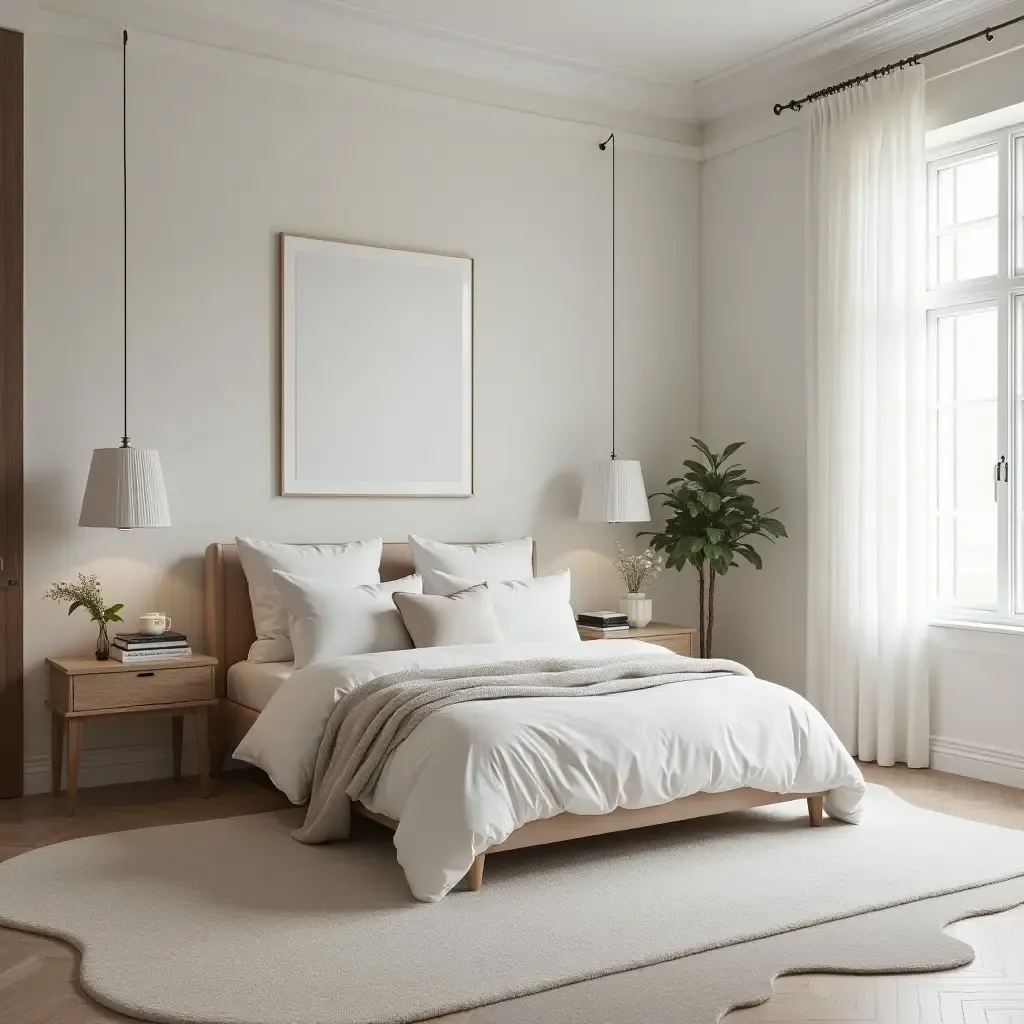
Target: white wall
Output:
[
  {"x": 752, "y": 380},
  {"x": 226, "y": 151},
  {"x": 753, "y": 387}
]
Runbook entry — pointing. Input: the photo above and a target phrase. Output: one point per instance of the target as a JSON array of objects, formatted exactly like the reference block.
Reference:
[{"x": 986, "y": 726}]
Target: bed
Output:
[{"x": 229, "y": 633}]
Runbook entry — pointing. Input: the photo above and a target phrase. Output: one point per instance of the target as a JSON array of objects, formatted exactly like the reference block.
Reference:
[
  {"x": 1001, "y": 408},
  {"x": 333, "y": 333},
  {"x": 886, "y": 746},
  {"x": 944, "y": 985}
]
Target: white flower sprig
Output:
[
  {"x": 636, "y": 570},
  {"x": 84, "y": 594}
]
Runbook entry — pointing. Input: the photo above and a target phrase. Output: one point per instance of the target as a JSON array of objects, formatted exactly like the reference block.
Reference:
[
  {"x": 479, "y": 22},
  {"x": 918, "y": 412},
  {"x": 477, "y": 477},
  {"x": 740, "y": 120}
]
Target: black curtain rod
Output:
[{"x": 986, "y": 33}]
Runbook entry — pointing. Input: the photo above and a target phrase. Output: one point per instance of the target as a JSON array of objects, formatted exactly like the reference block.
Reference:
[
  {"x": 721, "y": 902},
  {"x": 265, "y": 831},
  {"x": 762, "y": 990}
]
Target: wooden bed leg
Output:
[
  {"x": 815, "y": 808},
  {"x": 475, "y": 875}
]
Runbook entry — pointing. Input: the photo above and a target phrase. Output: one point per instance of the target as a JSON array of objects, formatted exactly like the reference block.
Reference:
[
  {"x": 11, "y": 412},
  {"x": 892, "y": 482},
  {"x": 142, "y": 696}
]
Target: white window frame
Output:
[{"x": 1000, "y": 291}]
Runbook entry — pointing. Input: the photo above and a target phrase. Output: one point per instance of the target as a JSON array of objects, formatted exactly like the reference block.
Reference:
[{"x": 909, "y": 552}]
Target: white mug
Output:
[{"x": 154, "y": 622}]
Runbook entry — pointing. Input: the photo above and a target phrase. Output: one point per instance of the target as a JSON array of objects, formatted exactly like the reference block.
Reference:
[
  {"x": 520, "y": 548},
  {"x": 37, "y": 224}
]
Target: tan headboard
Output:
[{"x": 227, "y": 613}]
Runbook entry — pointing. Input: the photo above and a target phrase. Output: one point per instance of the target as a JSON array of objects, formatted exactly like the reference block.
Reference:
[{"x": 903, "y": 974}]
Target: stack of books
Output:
[
  {"x": 150, "y": 646},
  {"x": 603, "y": 623}
]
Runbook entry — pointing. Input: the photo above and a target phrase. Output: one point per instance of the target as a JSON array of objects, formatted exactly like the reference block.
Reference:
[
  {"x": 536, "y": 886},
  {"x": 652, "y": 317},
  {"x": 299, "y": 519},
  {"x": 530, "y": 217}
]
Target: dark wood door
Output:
[{"x": 11, "y": 405}]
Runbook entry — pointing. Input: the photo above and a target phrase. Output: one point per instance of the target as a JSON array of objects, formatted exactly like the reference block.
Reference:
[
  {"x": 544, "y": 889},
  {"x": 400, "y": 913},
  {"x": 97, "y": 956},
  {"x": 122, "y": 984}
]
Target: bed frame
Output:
[{"x": 229, "y": 634}]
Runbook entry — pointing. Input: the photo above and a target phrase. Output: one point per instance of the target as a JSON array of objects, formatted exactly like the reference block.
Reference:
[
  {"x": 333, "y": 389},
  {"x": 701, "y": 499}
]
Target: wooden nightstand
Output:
[
  {"x": 675, "y": 638},
  {"x": 84, "y": 689}
]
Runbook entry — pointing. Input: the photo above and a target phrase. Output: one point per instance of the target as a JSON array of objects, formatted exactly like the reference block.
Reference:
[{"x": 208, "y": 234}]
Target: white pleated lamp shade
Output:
[
  {"x": 613, "y": 492},
  {"x": 125, "y": 490}
]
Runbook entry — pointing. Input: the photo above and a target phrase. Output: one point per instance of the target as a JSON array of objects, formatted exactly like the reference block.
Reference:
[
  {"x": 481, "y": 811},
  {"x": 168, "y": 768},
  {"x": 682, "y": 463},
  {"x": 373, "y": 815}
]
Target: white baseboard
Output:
[
  {"x": 107, "y": 766},
  {"x": 974, "y": 761}
]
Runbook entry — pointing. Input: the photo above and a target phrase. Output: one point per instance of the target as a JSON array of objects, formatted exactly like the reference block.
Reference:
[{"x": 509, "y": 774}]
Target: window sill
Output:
[{"x": 1011, "y": 628}]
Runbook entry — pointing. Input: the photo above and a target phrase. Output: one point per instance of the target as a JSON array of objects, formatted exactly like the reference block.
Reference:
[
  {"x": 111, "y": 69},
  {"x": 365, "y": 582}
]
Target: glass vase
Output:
[{"x": 102, "y": 643}]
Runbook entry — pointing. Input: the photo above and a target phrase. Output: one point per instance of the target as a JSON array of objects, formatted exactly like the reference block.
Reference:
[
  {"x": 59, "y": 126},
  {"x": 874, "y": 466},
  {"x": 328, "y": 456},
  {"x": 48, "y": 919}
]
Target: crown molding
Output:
[
  {"x": 280, "y": 27},
  {"x": 302, "y": 67},
  {"x": 816, "y": 58}
]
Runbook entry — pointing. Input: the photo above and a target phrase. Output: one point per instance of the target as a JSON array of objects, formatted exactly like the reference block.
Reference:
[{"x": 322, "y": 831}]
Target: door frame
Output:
[{"x": 12, "y": 505}]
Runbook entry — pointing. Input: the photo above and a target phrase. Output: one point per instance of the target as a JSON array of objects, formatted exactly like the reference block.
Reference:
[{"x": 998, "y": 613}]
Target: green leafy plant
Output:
[
  {"x": 711, "y": 521},
  {"x": 86, "y": 594}
]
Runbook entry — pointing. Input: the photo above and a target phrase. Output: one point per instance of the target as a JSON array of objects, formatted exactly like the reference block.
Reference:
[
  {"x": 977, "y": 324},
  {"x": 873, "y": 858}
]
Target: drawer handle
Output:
[{"x": 142, "y": 674}]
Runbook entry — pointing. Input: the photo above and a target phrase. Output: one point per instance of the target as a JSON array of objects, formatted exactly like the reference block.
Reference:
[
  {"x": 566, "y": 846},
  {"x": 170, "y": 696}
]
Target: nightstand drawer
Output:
[
  {"x": 676, "y": 644},
  {"x": 122, "y": 689}
]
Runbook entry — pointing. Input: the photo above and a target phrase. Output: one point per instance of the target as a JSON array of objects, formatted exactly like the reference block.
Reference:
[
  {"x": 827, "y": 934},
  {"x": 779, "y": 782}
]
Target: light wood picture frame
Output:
[{"x": 376, "y": 371}]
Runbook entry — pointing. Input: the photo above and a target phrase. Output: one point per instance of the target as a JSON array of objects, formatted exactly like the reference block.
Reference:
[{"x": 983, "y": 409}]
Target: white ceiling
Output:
[{"x": 683, "y": 40}]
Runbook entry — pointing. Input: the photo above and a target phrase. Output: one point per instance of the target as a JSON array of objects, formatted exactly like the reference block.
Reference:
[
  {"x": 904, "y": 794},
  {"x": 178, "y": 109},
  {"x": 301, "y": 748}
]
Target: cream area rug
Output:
[{"x": 233, "y": 921}]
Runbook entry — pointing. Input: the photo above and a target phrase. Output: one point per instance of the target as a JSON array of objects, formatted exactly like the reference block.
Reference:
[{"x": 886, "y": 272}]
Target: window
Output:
[{"x": 976, "y": 338}]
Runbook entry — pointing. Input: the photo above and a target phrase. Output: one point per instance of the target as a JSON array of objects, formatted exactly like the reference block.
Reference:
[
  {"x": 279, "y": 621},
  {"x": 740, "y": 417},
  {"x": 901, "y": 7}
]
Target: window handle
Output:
[{"x": 1002, "y": 475}]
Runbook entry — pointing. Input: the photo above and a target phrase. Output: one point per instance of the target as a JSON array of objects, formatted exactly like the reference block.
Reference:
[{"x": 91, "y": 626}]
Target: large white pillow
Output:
[
  {"x": 527, "y": 610},
  {"x": 331, "y": 621},
  {"x": 482, "y": 563},
  {"x": 345, "y": 564}
]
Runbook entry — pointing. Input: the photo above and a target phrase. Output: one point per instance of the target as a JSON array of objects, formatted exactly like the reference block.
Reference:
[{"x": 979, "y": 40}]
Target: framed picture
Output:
[{"x": 376, "y": 371}]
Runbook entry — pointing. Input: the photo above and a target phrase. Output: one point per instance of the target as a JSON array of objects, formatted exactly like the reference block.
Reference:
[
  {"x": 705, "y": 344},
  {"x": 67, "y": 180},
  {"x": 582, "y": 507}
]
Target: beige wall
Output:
[{"x": 225, "y": 152}]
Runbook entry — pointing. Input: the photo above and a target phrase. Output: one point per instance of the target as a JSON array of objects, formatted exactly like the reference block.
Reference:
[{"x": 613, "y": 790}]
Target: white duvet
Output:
[{"x": 472, "y": 773}]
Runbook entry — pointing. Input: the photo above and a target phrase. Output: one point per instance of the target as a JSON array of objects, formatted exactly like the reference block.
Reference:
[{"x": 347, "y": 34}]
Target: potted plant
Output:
[
  {"x": 635, "y": 571},
  {"x": 86, "y": 594},
  {"x": 711, "y": 521}
]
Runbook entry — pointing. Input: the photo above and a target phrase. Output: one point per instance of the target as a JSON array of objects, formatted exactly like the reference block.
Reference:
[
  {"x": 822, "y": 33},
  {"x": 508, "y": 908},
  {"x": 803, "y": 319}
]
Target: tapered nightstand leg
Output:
[
  {"x": 56, "y": 752},
  {"x": 203, "y": 751},
  {"x": 74, "y": 748},
  {"x": 177, "y": 728}
]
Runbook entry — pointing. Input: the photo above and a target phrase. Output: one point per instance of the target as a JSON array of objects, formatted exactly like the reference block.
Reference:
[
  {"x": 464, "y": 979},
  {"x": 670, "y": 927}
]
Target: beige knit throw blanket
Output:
[{"x": 369, "y": 723}]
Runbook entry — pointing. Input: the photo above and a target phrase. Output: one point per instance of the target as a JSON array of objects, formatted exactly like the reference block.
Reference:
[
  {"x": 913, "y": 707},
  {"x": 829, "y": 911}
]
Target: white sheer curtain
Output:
[{"x": 867, "y": 419}]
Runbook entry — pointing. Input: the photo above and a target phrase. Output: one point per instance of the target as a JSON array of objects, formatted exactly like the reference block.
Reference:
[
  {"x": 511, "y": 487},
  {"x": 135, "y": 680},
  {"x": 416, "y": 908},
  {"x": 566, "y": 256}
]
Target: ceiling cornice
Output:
[
  {"x": 364, "y": 33},
  {"x": 371, "y": 44},
  {"x": 813, "y": 60}
]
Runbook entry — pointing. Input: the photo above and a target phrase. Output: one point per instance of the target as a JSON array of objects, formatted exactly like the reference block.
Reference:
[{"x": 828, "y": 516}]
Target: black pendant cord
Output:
[
  {"x": 603, "y": 146},
  {"x": 124, "y": 220},
  {"x": 888, "y": 69}
]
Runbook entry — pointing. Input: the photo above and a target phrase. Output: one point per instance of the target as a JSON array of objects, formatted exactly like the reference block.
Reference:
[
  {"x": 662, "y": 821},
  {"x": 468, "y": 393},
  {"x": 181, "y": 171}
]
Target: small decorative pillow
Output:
[
  {"x": 464, "y": 618},
  {"x": 507, "y": 560},
  {"x": 534, "y": 609},
  {"x": 330, "y": 621},
  {"x": 348, "y": 565}
]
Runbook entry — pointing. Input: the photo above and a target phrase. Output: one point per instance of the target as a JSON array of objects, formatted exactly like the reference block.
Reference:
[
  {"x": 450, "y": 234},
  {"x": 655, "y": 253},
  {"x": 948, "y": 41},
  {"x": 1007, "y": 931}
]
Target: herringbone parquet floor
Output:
[{"x": 38, "y": 976}]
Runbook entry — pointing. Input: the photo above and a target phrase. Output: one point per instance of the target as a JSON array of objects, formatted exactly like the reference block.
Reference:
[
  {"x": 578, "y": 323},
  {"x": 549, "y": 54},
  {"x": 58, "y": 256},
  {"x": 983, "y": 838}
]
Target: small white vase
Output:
[{"x": 638, "y": 607}]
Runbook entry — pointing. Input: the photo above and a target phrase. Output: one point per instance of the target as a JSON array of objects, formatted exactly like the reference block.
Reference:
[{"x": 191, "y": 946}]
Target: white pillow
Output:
[
  {"x": 508, "y": 560},
  {"x": 464, "y": 618},
  {"x": 328, "y": 620},
  {"x": 345, "y": 564},
  {"x": 529, "y": 610}
]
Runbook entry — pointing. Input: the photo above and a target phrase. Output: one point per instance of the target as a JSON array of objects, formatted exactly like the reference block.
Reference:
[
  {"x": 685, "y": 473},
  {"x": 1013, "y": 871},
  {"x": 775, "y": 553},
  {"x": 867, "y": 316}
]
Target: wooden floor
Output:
[{"x": 37, "y": 975}]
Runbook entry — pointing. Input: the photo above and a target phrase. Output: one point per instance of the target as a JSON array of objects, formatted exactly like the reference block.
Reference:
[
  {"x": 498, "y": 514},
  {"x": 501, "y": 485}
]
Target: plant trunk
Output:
[
  {"x": 700, "y": 633},
  {"x": 711, "y": 611}
]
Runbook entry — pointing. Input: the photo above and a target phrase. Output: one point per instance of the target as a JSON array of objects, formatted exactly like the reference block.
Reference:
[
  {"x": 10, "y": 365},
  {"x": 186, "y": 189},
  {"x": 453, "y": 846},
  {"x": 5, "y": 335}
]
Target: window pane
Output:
[
  {"x": 965, "y": 245},
  {"x": 977, "y": 558},
  {"x": 965, "y": 254},
  {"x": 977, "y": 359},
  {"x": 977, "y": 251},
  {"x": 975, "y": 454},
  {"x": 946, "y": 182},
  {"x": 947, "y": 258},
  {"x": 966, "y": 421},
  {"x": 977, "y": 189}
]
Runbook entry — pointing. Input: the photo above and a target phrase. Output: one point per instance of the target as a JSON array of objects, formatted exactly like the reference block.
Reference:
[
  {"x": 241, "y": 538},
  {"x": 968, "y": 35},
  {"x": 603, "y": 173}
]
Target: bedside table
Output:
[
  {"x": 675, "y": 638},
  {"x": 84, "y": 689}
]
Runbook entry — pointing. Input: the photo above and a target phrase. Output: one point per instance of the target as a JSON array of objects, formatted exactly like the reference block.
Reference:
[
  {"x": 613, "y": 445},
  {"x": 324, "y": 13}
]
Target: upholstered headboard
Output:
[{"x": 227, "y": 613}]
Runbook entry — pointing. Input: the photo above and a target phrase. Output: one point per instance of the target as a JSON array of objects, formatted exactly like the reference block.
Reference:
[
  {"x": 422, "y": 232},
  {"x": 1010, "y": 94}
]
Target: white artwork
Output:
[{"x": 376, "y": 371}]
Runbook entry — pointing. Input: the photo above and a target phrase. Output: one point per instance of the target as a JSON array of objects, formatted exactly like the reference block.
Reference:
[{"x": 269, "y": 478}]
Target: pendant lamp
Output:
[
  {"x": 125, "y": 489},
  {"x": 613, "y": 489}
]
